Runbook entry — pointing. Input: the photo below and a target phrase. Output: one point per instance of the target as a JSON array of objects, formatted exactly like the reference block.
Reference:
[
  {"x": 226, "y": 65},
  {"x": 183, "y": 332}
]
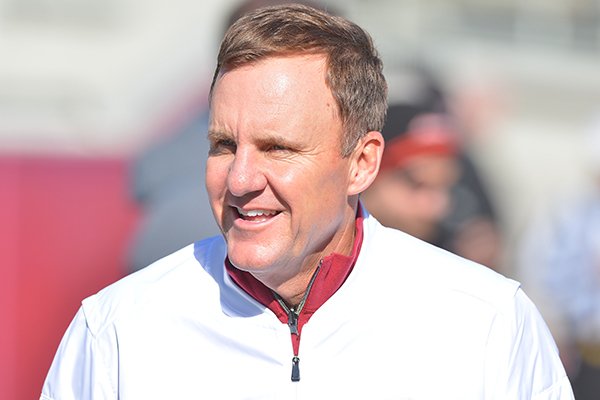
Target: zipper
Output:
[
  {"x": 295, "y": 369},
  {"x": 293, "y": 313}
]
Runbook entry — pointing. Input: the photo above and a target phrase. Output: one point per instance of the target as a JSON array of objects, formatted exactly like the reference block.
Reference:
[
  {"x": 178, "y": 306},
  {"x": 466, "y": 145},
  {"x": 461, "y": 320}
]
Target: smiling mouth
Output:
[{"x": 255, "y": 215}]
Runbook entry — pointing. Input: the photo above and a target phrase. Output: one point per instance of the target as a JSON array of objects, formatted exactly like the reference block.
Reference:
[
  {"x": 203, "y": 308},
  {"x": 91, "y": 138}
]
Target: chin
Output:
[{"x": 248, "y": 258}]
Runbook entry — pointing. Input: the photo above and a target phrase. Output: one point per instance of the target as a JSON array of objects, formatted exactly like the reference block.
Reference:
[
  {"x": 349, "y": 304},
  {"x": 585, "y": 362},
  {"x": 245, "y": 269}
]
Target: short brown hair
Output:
[{"x": 354, "y": 69}]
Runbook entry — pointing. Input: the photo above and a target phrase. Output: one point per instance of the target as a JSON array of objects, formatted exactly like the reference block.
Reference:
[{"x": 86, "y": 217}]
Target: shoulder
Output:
[
  {"x": 467, "y": 300},
  {"x": 432, "y": 271},
  {"x": 163, "y": 282}
]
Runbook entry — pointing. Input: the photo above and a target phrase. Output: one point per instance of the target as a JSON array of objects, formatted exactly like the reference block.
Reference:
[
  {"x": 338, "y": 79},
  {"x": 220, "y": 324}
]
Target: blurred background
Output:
[{"x": 102, "y": 102}]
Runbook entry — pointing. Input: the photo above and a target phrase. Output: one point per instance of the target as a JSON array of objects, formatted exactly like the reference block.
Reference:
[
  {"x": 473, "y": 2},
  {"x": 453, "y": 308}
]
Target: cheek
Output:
[
  {"x": 331, "y": 184},
  {"x": 335, "y": 173},
  {"x": 437, "y": 203},
  {"x": 305, "y": 187},
  {"x": 292, "y": 180},
  {"x": 392, "y": 194},
  {"x": 216, "y": 179}
]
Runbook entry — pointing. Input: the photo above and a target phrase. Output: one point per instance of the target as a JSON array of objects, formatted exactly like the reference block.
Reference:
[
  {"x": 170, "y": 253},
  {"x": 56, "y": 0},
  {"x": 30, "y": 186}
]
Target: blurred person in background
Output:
[
  {"x": 167, "y": 180},
  {"x": 560, "y": 263},
  {"x": 420, "y": 166},
  {"x": 429, "y": 185}
]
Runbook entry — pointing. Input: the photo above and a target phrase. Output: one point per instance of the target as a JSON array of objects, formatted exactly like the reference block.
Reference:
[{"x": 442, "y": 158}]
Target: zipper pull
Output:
[
  {"x": 293, "y": 322},
  {"x": 295, "y": 369}
]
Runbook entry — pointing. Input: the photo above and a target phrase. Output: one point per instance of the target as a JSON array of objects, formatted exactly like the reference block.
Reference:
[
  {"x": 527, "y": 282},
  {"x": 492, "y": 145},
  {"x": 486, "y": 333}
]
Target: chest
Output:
[{"x": 359, "y": 351}]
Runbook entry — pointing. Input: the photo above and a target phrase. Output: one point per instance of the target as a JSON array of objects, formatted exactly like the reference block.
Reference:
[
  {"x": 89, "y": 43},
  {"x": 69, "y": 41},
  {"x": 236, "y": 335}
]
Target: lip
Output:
[{"x": 247, "y": 218}]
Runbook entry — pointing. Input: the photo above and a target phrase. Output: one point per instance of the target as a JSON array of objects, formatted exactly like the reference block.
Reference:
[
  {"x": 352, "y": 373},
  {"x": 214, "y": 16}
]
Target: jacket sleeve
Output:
[
  {"x": 523, "y": 360},
  {"x": 78, "y": 370}
]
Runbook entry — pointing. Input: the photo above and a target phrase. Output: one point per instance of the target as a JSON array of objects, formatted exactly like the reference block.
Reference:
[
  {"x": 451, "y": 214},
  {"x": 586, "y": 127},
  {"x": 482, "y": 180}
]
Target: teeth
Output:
[{"x": 255, "y": 213}]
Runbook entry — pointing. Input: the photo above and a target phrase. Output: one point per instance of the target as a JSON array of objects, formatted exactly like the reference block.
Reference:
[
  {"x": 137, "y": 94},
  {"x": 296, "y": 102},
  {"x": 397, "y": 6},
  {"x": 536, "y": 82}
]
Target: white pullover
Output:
[{"x": 410, "y": 322}]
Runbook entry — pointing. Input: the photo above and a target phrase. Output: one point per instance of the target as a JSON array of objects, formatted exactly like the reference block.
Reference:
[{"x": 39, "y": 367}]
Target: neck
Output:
[
  {"x": 293, "y": 288},
  {"x": 334, "y": 270},
  {"x": 292, "y": 292}
]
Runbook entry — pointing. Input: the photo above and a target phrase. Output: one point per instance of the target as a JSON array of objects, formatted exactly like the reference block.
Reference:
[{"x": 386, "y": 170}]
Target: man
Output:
[
  {"x": 308, "y": 297},
  {"x": 426, "y": 187}
]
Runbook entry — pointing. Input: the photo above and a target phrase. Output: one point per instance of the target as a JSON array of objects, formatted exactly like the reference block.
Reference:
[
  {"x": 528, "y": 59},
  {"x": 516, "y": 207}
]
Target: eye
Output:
[
  {"x": 278, "y": 147},
  {"x": 221, "y": 146},
  {"x": 408, "y": 178}
]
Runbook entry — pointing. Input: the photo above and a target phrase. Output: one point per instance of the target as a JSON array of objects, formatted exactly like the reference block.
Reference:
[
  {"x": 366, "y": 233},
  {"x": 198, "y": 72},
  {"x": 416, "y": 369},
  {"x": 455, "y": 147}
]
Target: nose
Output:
[
  {"x": 438, "y": 202},
  {"x": 245, "y": 173}
]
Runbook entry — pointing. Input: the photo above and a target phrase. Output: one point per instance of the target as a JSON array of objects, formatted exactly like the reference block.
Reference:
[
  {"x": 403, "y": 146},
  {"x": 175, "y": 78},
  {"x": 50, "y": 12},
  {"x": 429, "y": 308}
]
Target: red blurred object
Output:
[{"x": 65, "y": 225}]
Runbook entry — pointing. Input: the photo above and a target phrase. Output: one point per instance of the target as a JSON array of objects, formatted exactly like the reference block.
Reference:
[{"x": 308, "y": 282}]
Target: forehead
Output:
[
  {"x": 432, "y": 170},
  {"x": 277, "y": 79},
  {"x": 275, "y": 86}
]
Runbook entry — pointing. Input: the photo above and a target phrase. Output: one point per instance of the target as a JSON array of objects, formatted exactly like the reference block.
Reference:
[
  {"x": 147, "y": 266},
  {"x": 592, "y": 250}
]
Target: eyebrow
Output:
[
  {"x": 268, "y": 139},
  {"x": 216, "y": 135},
  {"x": 265, "y": 140}
]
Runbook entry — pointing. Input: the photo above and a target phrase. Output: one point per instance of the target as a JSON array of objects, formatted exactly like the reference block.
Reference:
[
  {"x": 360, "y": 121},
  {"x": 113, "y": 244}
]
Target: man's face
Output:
[{"x": 275, "y": 176}]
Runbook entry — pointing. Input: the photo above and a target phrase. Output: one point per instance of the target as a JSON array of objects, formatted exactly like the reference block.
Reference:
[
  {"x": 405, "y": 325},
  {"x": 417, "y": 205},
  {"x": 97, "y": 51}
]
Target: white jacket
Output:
[{"x": 410, "y": 322}]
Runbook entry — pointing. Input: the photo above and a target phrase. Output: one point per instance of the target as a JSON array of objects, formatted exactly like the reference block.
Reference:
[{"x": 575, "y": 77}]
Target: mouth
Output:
[{"x": 255, "y": 215}]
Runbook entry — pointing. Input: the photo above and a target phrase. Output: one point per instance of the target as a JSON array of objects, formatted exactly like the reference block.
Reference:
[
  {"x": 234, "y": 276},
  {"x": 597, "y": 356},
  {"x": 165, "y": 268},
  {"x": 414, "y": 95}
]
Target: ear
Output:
[{"x": 366, "y": 158}]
